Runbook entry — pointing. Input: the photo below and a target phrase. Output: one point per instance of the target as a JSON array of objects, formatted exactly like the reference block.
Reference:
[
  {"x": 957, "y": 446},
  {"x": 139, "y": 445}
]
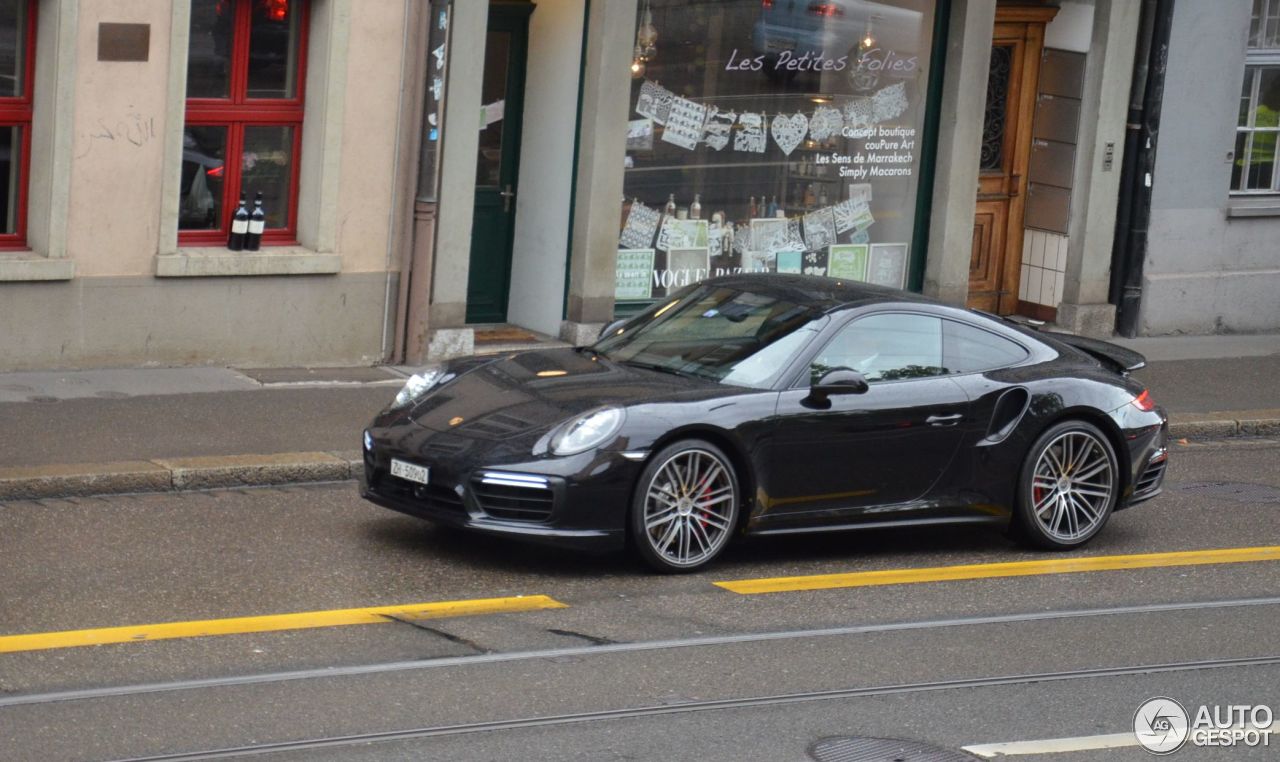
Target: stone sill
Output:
[
  {"x": 214, "y": 262},
  {"x": 1254, "y": 205},
  {"x": 30, "y": 267}
]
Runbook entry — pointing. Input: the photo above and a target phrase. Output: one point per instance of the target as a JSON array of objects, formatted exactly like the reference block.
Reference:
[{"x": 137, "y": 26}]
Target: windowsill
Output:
[
  {"x": 1254, "y": 205},
  {"x": 28, "y": 266},
  {"x": 217, "y": 261}
]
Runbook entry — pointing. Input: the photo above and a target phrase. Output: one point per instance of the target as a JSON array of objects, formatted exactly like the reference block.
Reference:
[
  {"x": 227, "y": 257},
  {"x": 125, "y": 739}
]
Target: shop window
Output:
[
  {"x": 17, "y": 56},
  {"x": 773, "y": 136},
  {"x": 243, "y": 128},
  {"x": 1254, "y": 169}
]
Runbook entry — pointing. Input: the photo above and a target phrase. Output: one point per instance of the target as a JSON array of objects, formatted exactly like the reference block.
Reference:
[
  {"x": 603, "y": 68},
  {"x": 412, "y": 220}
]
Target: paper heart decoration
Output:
[
  {"x": 825, "y": 122},
  {"x": 788, "y": 131}
]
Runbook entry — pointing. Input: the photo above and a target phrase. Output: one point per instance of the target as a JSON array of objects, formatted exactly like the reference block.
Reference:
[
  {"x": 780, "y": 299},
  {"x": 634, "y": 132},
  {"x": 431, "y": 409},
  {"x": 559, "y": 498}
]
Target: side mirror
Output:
[
  {"x": 838, "y": 381},
  {"x": 610, "y": 328}
]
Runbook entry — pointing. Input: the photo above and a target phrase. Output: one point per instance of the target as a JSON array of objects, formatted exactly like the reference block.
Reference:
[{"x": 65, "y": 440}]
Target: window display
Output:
[{"x": 773, "y": 136}]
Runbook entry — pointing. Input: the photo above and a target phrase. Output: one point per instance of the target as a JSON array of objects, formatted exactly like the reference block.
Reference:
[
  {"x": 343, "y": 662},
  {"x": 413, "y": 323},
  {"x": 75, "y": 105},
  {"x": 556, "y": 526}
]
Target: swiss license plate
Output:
[{"x": 409, "y": 471}]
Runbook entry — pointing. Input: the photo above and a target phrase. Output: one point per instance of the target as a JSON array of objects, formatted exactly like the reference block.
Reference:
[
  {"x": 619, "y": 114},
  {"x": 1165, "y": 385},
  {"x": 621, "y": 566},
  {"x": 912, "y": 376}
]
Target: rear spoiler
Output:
[{"x": 1111, "y": 355}]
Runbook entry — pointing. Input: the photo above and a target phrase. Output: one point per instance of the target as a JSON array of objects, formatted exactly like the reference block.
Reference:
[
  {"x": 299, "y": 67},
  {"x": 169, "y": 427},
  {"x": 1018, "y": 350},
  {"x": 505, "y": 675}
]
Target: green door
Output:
[{"x": 497, "y": 162}]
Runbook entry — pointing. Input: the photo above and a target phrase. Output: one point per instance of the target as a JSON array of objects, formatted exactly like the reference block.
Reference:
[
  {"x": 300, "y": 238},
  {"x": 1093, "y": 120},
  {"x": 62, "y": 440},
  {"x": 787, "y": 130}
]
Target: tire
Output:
[
  {"x": 1068, "y": 486},
  {"x": 685, "y": 507}
]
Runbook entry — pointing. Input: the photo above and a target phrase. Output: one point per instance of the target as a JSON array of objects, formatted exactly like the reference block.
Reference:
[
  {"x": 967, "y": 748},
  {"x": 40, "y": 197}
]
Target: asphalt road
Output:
[{"x": 636, "y": 666}]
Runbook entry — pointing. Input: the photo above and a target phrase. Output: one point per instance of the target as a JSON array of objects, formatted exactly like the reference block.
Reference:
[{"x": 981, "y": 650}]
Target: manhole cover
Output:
[
  {"x": 855, "y": 749},
  {"x": 1242, "y": 492}
]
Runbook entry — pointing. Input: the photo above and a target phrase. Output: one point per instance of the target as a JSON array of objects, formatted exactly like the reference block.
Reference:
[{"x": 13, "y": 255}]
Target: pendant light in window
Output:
[{"x": 646, "y": 42}]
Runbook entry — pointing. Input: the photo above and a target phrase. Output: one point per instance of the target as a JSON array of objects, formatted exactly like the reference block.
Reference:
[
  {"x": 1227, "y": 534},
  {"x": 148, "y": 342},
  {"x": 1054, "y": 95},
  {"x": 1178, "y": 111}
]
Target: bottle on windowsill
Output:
[
  {"x": 751, "y": 209},
  {"x": 695, "y": 209},
  {"x": 239, "y": 227},
  {"x": 257, "y": 223},
  {"x": 670, "y": 209}
]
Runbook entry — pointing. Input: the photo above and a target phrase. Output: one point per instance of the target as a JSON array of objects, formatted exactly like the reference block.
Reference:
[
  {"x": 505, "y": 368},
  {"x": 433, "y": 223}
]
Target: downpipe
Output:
[{"x": 1135, "y": 202}]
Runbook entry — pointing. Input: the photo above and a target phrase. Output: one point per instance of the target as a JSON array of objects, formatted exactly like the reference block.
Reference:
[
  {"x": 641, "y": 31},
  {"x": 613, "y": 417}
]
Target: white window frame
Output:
[{"x": 1258, "y": 60}]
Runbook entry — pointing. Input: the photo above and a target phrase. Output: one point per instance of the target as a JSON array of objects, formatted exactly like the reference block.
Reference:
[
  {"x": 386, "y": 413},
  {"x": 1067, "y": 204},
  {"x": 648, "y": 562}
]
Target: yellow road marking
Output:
[
  {"x": 40, "y": 641},
  {"x": 1012, "y": 569}
]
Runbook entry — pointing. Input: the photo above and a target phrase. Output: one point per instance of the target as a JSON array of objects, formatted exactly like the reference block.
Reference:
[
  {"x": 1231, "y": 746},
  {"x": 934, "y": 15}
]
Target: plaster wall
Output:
[{"x": 1206, "y": 271}]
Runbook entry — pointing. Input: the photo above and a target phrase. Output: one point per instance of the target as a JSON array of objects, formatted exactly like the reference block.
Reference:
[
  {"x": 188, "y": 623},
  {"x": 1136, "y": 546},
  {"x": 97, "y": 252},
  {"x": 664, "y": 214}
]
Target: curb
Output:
[
  {"x": 1222, "y": 428},
  {"x": 176, "y": 474}
]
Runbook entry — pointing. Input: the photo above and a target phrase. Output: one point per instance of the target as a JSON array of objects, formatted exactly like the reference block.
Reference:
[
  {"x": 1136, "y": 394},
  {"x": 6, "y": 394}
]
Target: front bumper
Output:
[{"x": 578, "y": 502}]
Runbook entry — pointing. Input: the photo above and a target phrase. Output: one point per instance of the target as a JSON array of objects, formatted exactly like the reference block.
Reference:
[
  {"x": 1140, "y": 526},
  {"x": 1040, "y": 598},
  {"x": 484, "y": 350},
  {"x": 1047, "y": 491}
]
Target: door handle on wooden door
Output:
[{"x": 507, "y": 194}]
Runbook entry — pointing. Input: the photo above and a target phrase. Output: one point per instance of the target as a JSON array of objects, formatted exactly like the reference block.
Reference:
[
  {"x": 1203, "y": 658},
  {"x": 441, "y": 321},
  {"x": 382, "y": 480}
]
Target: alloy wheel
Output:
[
  {"x": 689, "y": 508},
  {"x": 1072, "y": 485}
]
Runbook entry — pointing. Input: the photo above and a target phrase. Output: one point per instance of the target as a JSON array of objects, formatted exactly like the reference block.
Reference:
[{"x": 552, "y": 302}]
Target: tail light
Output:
[
  {"x": 826, "y": 9},
  {"x": 1144, "y": 402},
  {"x": 766, "y": 4}
]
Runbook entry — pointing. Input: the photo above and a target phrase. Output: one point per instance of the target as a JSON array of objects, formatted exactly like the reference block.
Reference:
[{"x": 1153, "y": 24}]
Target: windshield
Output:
[{"x": 728, "y": 335}]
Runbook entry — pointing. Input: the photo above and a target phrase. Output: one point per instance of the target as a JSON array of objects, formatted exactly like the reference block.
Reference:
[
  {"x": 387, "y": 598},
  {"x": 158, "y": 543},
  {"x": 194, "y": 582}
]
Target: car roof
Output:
[{"x": 827, "y": 294}]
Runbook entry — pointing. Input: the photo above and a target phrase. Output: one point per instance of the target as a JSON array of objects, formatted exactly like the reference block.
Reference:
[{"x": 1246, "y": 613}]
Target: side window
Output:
[
  {"x": 968, "y": 350},
  {"x": 888, "y": 347}
]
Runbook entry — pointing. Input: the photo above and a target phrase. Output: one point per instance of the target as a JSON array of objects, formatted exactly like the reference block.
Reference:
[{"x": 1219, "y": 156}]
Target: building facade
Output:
[
  {"x": 1213, "y": 251},
  {"x": 430, "y": 170}
]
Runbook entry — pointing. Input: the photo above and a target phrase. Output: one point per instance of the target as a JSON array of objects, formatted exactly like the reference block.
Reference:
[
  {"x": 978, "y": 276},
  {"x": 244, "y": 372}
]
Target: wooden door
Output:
[{"x": 996, "y": 259}]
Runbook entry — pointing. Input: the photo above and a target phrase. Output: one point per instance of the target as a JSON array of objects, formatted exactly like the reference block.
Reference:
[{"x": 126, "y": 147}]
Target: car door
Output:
[{"x": 866, "y": 456}]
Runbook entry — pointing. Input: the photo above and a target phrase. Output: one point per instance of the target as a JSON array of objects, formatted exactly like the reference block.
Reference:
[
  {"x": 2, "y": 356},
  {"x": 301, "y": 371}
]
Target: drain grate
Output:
[
  {"x": 857, "y": 749},
  {"x": 1241, "y": 492}
]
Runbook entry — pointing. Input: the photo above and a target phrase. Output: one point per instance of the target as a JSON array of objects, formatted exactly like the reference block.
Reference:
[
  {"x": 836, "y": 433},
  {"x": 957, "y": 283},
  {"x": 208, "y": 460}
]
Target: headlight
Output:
[
  {"x": 589, "y": 431},
  {"x": 418, "y": 384}
]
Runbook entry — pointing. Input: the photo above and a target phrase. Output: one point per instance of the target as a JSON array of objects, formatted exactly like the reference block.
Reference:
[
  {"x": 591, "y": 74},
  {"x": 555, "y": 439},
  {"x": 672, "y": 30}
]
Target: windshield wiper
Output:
[
  {"x": 659, "y": 368},
  {"x": 592, "y": 350}
]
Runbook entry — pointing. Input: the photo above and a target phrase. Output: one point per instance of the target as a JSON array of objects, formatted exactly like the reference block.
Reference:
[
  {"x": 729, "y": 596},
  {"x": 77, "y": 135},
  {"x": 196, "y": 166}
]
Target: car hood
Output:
[{"x": 535, "y": 390}]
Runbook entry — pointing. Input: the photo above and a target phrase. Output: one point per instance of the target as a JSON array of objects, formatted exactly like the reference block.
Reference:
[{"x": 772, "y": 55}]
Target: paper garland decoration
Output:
[
  {"x": 890, "y": 102},
  {"x": 684, "y": 123},
  {"x": 642, "y": 223},
  {"x": 888, "y": 265},
  {"x": 795, "y": 234},
  {"x": 640, "y": 134},
  {"x": 717, "y": 127},
  {"x": 654, "y": 101},
  {"x": 819, "y": 229},
  {"x": 750, "y": 138},
  {"x": 826, "y": 122},
  {"x": 789, "y": 131},
  {"x": 769, "y": 234},
  {"x": 859, "y": 114},
  {"x": 682, "y": 234}
]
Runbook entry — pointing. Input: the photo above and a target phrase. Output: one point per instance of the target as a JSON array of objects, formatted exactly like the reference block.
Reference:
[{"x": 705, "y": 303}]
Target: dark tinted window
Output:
[
  {"x": 968, "y": 350},
  {"x": 885, "y": 348}
]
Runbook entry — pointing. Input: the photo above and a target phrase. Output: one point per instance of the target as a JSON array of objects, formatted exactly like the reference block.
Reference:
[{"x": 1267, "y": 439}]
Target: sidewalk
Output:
[{"x": 113, "y": 431}]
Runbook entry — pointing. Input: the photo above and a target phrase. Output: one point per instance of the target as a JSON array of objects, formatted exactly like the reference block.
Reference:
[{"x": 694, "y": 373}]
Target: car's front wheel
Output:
[
  {"x": 1069, "y": 485},
  {"x": 685, "y": 506}
]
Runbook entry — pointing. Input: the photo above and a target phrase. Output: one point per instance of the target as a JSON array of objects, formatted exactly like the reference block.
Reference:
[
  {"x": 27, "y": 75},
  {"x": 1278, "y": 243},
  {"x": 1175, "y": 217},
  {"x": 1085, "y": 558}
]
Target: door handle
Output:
[
  {"x": 944, "y": 420},
  {"x": 507, "y": 195}
]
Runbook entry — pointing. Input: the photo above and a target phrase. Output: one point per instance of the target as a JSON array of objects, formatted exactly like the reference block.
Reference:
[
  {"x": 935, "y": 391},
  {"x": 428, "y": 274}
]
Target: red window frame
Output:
[
  {"x": 237, "y": 111},
  {"x": 16, "y": 112}
]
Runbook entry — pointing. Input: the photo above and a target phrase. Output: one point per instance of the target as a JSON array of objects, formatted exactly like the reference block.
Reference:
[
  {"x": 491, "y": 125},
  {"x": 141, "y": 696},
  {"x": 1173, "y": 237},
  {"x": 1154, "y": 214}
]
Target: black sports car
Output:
[{"x": 769, "y": 404}]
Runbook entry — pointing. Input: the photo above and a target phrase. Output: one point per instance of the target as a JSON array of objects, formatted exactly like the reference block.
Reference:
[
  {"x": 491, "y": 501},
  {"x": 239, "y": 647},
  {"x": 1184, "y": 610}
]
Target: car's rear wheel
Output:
[
  {"x": 685, "y": 506},
  {"x": 1068, "y": 487}
]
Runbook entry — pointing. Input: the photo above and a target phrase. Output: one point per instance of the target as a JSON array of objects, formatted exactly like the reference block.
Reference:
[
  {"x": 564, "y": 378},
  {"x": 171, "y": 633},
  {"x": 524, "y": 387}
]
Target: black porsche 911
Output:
[{"x": 770, "y": 404}]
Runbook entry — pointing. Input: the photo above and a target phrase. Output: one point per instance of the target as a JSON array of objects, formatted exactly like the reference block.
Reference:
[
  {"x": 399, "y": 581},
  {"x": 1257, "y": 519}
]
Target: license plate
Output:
[{"x": 409, "y": 471}]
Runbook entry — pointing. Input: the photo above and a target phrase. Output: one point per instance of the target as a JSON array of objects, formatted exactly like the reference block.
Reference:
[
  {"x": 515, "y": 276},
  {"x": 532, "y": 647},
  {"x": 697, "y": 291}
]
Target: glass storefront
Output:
[{"x": 773, "y": 135}]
